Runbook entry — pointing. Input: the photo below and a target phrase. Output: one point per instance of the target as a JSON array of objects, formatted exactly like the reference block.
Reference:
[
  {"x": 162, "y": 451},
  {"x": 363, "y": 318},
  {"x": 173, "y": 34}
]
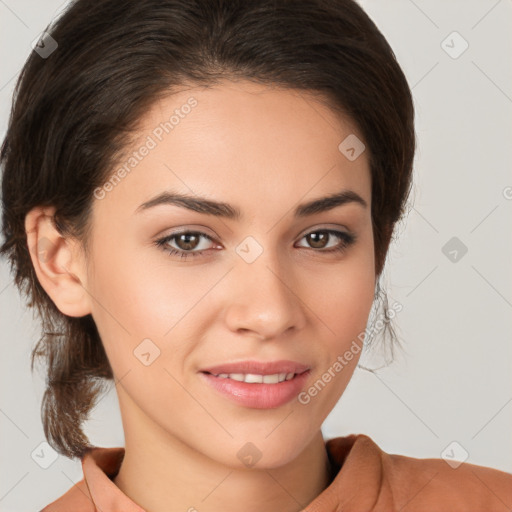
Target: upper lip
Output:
[{"x": 258, "y": 367}]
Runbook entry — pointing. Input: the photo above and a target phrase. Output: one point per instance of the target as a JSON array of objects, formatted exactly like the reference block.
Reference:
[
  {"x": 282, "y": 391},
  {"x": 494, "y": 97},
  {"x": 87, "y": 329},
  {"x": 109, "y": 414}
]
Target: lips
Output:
[
  {"x": 258, "y": 368},
  {"x": 259, "y": 385}
]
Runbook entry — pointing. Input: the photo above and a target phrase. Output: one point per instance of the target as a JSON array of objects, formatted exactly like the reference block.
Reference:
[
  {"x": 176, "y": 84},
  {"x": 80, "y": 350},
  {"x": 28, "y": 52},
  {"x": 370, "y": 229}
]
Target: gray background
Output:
[{"x": 452, "y": 383}]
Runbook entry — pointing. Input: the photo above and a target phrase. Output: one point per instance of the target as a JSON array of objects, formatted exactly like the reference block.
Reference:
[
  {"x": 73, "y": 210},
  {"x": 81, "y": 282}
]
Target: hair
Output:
[{"x": 74, "y": 112}]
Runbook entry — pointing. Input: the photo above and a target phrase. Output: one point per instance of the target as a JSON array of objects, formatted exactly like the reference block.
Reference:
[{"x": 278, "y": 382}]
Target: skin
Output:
[{"x": 263, "y": 150}]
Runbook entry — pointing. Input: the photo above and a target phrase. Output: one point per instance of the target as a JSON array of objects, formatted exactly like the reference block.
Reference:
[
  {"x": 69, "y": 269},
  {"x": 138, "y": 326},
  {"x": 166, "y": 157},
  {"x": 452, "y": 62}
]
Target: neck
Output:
[{"x": 171, "y": 476}]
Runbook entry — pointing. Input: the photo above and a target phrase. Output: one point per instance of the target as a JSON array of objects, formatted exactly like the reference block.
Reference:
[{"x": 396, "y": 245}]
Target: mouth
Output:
[
  {"x": 258, "y": 368},
  {"x": 258, "y": 385},
  {"x": 254, "y": 378}
]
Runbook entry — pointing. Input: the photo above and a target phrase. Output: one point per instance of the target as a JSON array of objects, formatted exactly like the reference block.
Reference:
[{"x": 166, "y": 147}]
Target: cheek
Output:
[
  {"x": 144, "y": 305},
  {"x": 125, "y": 308},
  {"x": 344, "y": 309},
  {"x": 141, "y": 295},
  {"x": 343, "y": 306},
  {"x": 345, "y": 295}
]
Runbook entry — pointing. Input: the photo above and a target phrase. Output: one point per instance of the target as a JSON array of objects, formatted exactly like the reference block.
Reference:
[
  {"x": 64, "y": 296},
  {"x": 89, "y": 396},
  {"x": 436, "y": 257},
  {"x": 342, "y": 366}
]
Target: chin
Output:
[{"x": 261, "y": 451}]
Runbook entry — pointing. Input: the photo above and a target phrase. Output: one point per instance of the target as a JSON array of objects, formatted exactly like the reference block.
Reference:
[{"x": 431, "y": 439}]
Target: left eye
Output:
[
  {"x": 189, "y": 242},
  {"x": 318, "y": 239}
]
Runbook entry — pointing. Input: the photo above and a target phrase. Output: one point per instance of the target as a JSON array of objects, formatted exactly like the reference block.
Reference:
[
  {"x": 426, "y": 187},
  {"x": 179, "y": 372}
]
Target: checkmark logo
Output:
[
  {"x": 352, "y": 147},
  {"x": 454, "y": 249},
  {"x": 44, "y": 455},
  {"x": 249, "y": 454},
  {"x": 147, "y": 351},
  {"x": 44, "y": 45},
  {"x": 454, "y": 45},
  {"x": 454, "y": 454},
  {"x": 249, "y": 249}
]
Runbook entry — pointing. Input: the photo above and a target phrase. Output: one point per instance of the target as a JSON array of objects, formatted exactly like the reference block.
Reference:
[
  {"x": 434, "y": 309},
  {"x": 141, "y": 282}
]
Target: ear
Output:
[{"x": 58, "y": 263}]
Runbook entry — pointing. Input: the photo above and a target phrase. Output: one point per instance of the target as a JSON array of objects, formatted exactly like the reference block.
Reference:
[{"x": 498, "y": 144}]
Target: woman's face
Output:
[{"x": 264, "y": 286}]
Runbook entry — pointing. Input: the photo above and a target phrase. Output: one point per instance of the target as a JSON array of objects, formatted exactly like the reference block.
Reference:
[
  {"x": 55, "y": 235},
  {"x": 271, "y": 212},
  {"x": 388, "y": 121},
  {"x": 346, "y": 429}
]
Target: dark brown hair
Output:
[{"x": 74, "y": 112}]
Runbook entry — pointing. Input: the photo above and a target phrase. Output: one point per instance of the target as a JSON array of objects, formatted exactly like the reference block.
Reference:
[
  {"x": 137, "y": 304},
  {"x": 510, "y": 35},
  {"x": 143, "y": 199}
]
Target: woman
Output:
[{"x": 199, "y": 198}]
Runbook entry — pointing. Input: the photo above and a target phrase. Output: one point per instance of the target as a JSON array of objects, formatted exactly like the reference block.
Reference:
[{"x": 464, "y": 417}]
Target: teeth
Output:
[
  {"x": 270, "y": 379},
  {"x": 237, "y": 376},
  {"x": 253, "y": 378},
  {"x": 250, "y": 377}
]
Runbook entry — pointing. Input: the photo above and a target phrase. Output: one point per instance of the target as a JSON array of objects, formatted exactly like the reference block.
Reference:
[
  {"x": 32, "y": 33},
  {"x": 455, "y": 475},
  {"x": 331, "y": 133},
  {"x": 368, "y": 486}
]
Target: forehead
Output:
[{"x": 242, "y": 143}]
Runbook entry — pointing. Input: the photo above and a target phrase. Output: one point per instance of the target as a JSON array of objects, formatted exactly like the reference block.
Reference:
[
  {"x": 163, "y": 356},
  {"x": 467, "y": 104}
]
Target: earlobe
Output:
[{"x": 57, "y": 262}]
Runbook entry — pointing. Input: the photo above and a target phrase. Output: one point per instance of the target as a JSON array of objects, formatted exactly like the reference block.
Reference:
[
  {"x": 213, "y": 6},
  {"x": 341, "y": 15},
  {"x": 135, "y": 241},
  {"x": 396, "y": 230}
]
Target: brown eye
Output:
[
  {"x": 320, "y": 239},
  {"x": 186, "y": 243}
]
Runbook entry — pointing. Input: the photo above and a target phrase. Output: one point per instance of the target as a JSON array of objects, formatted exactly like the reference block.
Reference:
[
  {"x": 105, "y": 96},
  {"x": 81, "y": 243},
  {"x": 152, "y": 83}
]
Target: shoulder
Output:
[
  {"x": 399, "y": 482},
  {"x": 97, "y": 490},
  {"x": 425, "y": 484},
  {"x": 461, "y": 487},
  {"x": 77, "y": 499}
]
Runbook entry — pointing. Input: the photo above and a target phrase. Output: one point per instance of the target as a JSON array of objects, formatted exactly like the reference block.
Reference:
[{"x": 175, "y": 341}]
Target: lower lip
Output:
[{"x": 255, "y": 395}]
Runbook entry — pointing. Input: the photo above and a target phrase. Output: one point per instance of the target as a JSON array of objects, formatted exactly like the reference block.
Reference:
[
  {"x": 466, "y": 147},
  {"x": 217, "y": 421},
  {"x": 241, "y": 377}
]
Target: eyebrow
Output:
[{"x": 220, "y": 209}]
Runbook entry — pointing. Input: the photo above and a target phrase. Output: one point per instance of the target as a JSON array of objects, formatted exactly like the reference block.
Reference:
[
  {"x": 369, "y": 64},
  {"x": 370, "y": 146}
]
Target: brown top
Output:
[{"x": 366, "y": 479}]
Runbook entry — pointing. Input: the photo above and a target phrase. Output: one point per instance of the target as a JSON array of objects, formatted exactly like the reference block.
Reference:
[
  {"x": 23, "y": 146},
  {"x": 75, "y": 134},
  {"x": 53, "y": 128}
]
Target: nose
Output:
[{"x": 264, "y": 299}]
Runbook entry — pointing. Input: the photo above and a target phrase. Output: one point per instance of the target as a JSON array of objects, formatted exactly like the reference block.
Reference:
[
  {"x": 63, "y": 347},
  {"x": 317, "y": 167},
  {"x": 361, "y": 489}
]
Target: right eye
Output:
[{"x": 189, "y": 240}]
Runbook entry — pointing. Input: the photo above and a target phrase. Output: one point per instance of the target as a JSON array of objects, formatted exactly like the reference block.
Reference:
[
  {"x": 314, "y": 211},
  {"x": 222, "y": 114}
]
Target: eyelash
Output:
[{"x": 347, "y": 240}]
